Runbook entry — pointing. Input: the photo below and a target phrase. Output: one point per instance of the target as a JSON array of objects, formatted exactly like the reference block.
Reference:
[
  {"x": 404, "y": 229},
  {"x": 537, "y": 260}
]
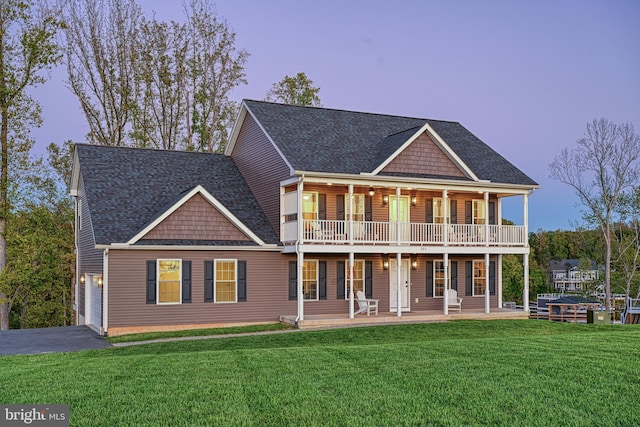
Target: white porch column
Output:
[
  {"x": 499, "y": 280},
  {"x": 300, "y": 290},
  {"x": 399, "y": 279},
  {"x": 525, "y": 291},
  {"x": 398, "y": 237},
  {"x": 487, "y": 294},
  {"x": 105, "y": 292},
  {"x": 525, "y": 208},
  {"x": 300, "y": 254},
  {"x": 445, "y": 297},
  {"x": 445, "y": 232},
  {"x": 350, "y": 219},
  {"x": 351, "y": 308},
  {"x": 486, "y": 219}
]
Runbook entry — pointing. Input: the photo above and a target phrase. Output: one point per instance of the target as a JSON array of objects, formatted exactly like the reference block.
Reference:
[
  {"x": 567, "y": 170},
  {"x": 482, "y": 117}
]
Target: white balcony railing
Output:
[{"x": 375, "y": 232}]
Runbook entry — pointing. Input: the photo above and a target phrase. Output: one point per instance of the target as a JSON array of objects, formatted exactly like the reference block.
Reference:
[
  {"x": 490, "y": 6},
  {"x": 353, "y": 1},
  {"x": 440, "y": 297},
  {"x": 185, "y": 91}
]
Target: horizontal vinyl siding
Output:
[
  {"x": 262, "y": 168},
  {"x": 89, "y": 258}
]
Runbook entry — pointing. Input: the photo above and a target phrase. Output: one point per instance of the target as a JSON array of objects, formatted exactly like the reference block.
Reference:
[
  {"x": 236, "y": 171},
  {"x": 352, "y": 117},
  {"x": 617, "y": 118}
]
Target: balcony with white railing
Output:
[{"x": 412, "y": 234}]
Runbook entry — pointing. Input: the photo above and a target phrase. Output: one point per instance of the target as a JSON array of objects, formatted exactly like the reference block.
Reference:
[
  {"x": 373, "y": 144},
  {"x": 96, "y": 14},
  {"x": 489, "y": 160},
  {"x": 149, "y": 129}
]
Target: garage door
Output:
[{"x": 94, "y": 300}]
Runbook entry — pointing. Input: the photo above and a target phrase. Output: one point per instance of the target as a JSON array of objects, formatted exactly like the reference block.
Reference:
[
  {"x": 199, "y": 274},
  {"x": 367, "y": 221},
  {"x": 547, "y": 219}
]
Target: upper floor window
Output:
[
  {"x": 358, "y": 207},
  {"x": 309, "y": 205},
  {"x": 169, "y": 281},
  {"x": 479, "y": 212},
  {"x": 479, "y": 277},
  {"x": 438, "y": 211}
]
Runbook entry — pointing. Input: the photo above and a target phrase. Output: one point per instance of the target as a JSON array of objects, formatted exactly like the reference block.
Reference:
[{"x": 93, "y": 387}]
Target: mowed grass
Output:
[{"x": 498, "y": 373}]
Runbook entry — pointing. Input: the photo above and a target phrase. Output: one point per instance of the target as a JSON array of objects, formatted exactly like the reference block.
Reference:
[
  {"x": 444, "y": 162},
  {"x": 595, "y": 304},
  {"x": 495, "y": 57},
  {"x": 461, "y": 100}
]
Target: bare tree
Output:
[
  {"x": 298, "y": 90},
  {"x": 602, "y": 166},
  {"x": 100, "y": 58},
  {"x": 216, "y": 67}
]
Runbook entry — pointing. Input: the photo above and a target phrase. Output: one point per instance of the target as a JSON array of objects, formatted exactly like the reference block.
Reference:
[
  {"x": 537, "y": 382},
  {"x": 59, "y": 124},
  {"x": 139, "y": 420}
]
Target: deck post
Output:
[
  {"x": 445, "y": 224},
  {"x": 499, "y": 280},
  {"x": 486, "y": 219},
  {"x": 487, "y": 293},
  {"x": 398, "y": 237},
  {"x": 445, "y": 294},
  {"x": 399, "y": 278},
  {"x": 350, "y": 218},
  {"x": 351, "y": 308},
  {"x": 525, "y": 292}
]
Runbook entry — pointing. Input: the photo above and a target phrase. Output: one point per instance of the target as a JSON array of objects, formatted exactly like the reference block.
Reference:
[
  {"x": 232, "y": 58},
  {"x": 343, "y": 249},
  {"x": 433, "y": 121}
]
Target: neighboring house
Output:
[
  {"x": 306, "y": 207},
  {"x": 568, "y": 277}
]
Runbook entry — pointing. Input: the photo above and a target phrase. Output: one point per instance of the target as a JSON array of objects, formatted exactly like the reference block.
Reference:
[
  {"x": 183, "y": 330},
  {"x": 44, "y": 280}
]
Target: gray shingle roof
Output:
[
  {"x": 338, "y": 141},
  {"x": 128, "y": 188}
]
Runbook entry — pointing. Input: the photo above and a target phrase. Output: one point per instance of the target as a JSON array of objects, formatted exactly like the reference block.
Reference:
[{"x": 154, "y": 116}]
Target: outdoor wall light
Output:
[
  {"x": 82, "y": 279},
  {"x": 414, "y": 200},
  {"x": 371, "y": 191},
  {"x": 99, "y": 280},
  {"x": 385, "y": 199},
  {"x": 414, "y": 262},
  {"x": 385, "y": 261}
]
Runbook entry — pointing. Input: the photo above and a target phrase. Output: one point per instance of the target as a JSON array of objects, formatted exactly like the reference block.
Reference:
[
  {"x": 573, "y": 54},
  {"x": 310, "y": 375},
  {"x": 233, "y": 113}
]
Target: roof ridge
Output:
[
  {"x": 367, "y": 113},
  {"x": 147, "y": 149}
]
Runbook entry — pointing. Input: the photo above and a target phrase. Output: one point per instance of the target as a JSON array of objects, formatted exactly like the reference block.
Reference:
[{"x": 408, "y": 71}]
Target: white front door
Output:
[{"x": 405, "y": 285}]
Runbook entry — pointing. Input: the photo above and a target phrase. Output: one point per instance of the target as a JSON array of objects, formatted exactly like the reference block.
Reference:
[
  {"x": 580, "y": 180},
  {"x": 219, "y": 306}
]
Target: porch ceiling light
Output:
[{"x": 371, "y": 191}]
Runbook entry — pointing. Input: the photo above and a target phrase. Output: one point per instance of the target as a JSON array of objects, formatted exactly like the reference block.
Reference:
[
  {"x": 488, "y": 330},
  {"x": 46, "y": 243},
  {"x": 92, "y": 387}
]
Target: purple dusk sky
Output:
[{"x": 525, "y": 77}]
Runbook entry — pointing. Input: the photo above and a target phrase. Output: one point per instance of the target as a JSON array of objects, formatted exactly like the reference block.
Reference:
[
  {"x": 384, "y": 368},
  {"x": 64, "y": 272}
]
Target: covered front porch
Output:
[{"x": 337, "y": 320}]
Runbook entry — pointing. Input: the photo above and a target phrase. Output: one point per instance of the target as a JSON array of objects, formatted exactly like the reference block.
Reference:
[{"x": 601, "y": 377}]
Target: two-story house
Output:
[
  {"x": 306, "y": 207},
  {"x": 567, "y": 276}
]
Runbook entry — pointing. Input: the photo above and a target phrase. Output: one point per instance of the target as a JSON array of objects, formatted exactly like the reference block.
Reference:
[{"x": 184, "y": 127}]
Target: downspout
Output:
[{"x": 105, "y": 292}]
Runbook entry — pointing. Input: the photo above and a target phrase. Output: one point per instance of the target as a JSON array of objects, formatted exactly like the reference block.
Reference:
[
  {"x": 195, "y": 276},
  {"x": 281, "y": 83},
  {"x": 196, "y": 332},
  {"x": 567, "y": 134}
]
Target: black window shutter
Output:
[
  {"x": 322, "y": 279},
  {"x": 468, "y": 212},
  {"x": 429, "y": 207},
  {"x": 429, "y": 278},
  {"x": 453, "y": 207},
  {"x": 492, "y": 213},
  {"x": 340, "y": 207},
  {"x": 340, "y": 269},
  {"x": 293, "y": 280},
  {"x": 186, "y": 281},
  {"x": 322, "y": 206},
  {"x": 151, "y": 282},
  {"x": 368, "y": 208},
  {"x": 492, "y": 278},
  {"x": 454, "y": 275},
  {"x": 208, "y": 281},
  {"x": 242, "y": 281},
  {"x": 469, "y": 277},
  {"x": 368, "y": 279}
]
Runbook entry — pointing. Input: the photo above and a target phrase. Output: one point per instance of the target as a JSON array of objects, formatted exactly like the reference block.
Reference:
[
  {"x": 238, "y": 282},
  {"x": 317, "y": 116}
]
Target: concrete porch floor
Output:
[{"x": 322, "y": 320}]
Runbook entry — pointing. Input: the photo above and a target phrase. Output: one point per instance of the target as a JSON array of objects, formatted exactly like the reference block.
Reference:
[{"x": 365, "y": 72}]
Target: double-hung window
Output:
[
  {"x": 169, "y": 289},
  {"x": 439, "y": 211},
  {"x": 479, "y": 212},
  {"x": 226, "y": 280},
  {"x": 358, "y": 277},
  {"x": 358, "y": 207},
  {"x": 479, "y": 278},
  {"x": 309, "y": 205},
  {"x": 438, "y": 278},
  {"x": 310, "y": 279}
]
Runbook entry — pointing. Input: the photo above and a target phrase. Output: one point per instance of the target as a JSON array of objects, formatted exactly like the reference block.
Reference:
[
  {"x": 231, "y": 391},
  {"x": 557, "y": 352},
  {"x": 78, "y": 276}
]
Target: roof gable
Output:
[
  {"x": 127, "y": 189},
  {"x": 197, "y": 216}
]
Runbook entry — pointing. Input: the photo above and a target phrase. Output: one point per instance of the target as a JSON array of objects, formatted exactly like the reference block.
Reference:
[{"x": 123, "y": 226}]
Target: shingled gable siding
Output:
[
  {"x": 262, "y": 168},
  {"x": 89, "y": 259},
  {"x": 197, "y": 219},
  {"x": 423, "y": 156}
]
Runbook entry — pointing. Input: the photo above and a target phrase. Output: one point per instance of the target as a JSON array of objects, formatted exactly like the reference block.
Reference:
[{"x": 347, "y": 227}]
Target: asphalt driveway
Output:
[{"x": 49, "y": 340}]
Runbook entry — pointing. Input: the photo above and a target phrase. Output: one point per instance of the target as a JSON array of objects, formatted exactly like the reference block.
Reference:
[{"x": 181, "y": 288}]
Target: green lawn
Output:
[{"x": 509, "y": 373}]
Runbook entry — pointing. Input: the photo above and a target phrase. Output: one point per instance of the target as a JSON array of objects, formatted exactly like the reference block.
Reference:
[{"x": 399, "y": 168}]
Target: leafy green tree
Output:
[
  {"x": 27, "y": 49},
  {"x": 605, "y": 163},
  {"x": 626, "y": 245},
  {"x": 297, "y": 90}
]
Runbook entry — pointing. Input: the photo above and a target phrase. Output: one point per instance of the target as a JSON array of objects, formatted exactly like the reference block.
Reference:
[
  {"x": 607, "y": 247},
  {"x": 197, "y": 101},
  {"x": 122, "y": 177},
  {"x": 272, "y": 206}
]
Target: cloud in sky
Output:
[{"x": 525, "y": 77}]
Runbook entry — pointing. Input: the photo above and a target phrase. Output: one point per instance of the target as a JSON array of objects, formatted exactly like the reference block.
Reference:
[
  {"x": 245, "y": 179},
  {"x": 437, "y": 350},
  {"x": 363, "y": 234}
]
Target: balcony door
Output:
[{"x": 403, "y": 219}]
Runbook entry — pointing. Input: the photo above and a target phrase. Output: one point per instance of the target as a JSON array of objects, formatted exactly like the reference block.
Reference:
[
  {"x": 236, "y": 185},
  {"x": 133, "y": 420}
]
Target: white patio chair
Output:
[
  {"x": 366, "y": 304},
  {"x": 455, "y": 303}
]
